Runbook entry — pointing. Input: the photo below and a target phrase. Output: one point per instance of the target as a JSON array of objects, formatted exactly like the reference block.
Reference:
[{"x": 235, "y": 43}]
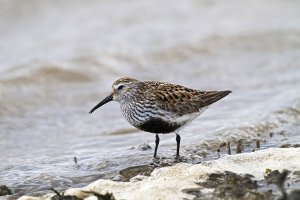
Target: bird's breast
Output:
[{"x": 149, "y": 119}]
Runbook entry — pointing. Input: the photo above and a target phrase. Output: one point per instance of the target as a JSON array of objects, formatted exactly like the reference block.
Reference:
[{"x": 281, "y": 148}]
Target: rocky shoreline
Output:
[{"x": 252, "y": 175}]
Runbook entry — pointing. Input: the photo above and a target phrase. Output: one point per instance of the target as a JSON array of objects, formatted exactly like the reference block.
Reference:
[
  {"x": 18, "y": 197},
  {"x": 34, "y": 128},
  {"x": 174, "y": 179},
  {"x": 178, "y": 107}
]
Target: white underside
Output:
[{"x": 187, "y": 119}]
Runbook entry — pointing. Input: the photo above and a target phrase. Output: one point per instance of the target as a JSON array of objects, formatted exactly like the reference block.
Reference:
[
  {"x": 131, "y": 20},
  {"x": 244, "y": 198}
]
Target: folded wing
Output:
[{"x": 182, "y": 100}]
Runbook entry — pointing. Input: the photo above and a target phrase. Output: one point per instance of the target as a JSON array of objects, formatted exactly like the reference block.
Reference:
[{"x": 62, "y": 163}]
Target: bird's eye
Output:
[{"x": 120, "y": 87}]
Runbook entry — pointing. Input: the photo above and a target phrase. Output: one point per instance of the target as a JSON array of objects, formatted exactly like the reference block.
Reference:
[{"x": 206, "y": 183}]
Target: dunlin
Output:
[{"x": 159, "y": 107}]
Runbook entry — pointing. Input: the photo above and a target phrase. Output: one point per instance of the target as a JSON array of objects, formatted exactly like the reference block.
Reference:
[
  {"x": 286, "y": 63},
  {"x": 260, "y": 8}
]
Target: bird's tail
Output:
[{"x": 211, "y": 97}]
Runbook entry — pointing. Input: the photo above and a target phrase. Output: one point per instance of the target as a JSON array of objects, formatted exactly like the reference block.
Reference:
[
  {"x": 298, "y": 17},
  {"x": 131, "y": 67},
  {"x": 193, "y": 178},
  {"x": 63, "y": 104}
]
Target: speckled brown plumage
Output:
[
  {"x": 159, "y": 107},
  {"x": 179, "y": 99}
]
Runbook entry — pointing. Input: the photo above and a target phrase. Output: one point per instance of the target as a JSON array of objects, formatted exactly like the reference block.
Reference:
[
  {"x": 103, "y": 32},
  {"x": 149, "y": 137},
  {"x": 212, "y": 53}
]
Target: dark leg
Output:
[
  {"x": 156, "y": 145},
  {"x": 178, "y": 144}
]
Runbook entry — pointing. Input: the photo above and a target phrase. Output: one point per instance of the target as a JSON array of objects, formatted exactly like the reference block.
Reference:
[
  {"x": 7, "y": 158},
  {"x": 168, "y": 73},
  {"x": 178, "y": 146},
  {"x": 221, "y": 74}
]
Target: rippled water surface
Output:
[{"x": 58, "y": 59}]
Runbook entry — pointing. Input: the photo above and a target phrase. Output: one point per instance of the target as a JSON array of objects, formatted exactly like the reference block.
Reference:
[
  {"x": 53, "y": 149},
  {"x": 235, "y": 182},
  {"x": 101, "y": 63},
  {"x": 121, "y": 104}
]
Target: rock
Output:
[{"x": 4, "y": 190}]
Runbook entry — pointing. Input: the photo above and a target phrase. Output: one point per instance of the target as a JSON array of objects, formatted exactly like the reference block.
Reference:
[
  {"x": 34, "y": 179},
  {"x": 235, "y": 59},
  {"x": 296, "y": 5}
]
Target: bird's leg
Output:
[
  {"x": 156, "y": 145},
  {"x": 178, "y": 144}
]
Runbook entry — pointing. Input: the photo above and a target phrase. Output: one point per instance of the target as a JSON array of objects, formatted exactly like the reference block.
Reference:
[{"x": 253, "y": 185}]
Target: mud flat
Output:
[{"x": 240, "y": 176}]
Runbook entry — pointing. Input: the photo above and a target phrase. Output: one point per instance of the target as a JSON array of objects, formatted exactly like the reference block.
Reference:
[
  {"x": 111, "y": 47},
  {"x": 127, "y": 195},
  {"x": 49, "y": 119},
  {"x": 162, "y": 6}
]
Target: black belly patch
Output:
[{"x": 157, "y": 125}]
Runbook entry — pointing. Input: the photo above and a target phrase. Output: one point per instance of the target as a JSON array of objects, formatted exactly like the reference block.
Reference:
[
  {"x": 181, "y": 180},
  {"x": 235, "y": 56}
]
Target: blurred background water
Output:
[{"x": 59, "y": 58}]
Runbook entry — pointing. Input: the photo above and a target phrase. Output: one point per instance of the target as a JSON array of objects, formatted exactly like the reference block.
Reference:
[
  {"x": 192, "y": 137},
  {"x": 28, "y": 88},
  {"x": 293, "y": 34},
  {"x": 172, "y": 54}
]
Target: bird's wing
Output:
[{"x": 182, "y": 100}]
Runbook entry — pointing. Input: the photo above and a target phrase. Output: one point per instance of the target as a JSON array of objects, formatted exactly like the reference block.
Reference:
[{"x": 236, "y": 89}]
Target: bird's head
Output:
[{"x": 122, "y": 90}]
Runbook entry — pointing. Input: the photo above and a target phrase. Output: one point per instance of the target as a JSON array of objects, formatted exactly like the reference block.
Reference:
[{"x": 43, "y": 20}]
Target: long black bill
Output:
[{"x": 104, "y": 101}]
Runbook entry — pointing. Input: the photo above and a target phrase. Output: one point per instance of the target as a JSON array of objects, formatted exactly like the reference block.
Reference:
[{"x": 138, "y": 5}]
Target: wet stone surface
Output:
[
  {"x": 229, "y": 185},
  {"x": 4, "y": 190},
  {"x": 290, "y": 145},
  {"x": 130, "y": 172},
  {"x": 229, "y": 178},
  {"x": 271, "y": 176},
  {"x": 106, "y": 196},
  {"x": 146, "y": 170},
  {"x": 144, "y": 147}
]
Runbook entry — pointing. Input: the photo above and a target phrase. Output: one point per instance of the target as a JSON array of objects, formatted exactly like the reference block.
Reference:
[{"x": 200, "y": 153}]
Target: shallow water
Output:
[{"x": 58, "y": 60}]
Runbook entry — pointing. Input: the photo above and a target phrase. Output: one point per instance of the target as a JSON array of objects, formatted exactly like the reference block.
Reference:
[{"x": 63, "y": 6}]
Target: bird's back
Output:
[{"x": 179, "y": 99}]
